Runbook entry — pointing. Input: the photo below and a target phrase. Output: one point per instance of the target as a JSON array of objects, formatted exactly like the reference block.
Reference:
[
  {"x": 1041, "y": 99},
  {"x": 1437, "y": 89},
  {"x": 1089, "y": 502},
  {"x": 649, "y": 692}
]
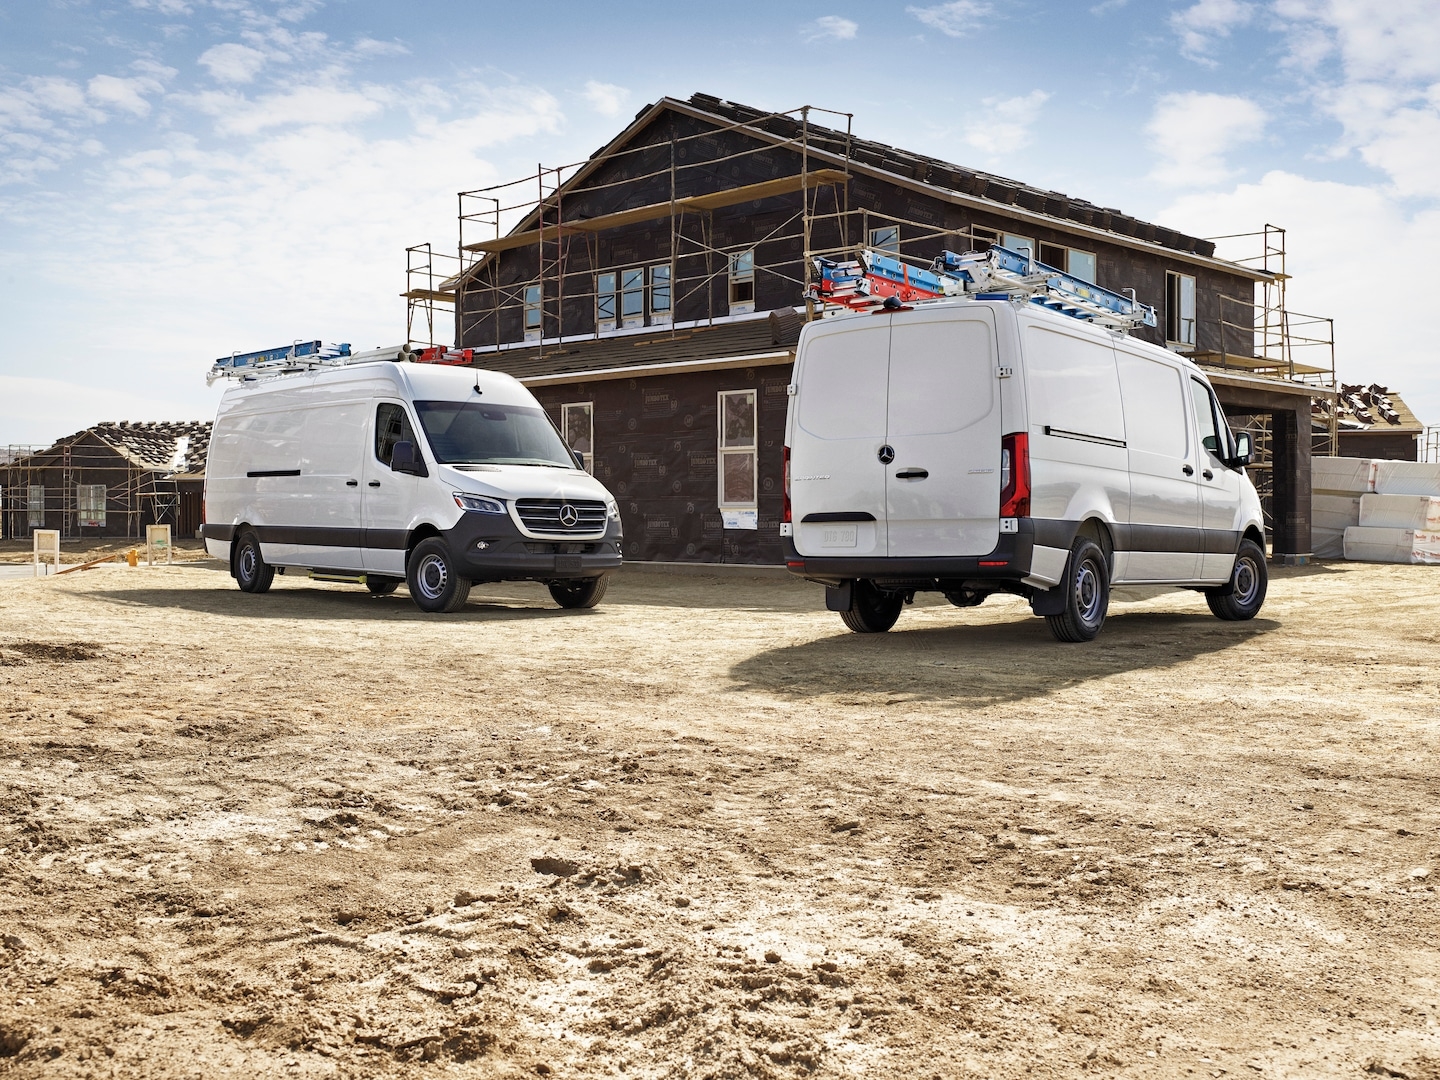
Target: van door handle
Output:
[
  {"x": 912, "y": 474},
  {"x": 1208, "y": 475},
  {"x": 1187, "y": 470},
  {"x": 374, "y": 483},
  {"x": 352, "y": 483}
]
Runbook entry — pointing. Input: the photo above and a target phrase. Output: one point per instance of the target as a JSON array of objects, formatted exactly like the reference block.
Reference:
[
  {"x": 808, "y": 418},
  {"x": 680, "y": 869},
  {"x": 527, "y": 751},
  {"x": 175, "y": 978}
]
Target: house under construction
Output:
[
  {"x": 652, "y": 296},
  {"x": 110, "y": 480}
]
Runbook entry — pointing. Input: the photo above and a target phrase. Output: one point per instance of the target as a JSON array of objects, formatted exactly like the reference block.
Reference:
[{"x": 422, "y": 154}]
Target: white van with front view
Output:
[
  {"x": 380, "y": 473},
  {"x": 970, "y": 446}
]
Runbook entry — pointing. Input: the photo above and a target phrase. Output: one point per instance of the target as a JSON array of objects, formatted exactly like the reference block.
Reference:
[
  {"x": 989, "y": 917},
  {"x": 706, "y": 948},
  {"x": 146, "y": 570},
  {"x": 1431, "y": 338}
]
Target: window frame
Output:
[
  {"x": 35, "y": 506},
  {"x": 1070, "y": 254},
  {"x": 587, "y": 457},
  {"x": 532, "y": 304},
  {"x": 724, "y": 449},
  {"x": 660, "y": 280},
  {"x": 1175, "y": 311},
  {"x": 603, "y": 294},
  {"x": 890, "y": 244},
  {"x": 1025, "y": 243},
  {"x": 739, "y": 279},
  {"x": 632, "y": 281},
  {"x": 408, "y": 422},
  {"x": 90, "y": 509}
]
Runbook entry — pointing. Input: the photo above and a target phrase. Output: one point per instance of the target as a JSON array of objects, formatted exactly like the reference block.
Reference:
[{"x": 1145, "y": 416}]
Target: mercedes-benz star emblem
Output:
[{"x": 569, "y": 516}]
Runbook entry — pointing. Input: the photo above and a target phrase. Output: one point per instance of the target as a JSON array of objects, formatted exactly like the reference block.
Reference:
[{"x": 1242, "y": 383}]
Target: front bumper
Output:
[
  {"x": 1009, "y": 562},
  {"x": 509, "y": 555}
]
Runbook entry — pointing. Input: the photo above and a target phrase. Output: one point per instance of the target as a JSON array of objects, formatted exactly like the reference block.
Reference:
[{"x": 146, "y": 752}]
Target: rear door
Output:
[
  {"x": 942, "y": 490},
  {"x": 837, "y": 480}
]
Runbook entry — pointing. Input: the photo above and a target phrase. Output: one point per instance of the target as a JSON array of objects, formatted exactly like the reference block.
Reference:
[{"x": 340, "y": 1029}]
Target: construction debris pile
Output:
[{"x": 1376, "y": 511}]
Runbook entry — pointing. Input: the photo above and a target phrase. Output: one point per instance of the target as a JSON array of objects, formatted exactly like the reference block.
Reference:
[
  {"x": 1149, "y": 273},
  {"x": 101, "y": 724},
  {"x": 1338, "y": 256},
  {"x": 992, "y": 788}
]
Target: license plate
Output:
[
  {"x": 567, "y": 564},
  {"x": 835, "y": 536}
]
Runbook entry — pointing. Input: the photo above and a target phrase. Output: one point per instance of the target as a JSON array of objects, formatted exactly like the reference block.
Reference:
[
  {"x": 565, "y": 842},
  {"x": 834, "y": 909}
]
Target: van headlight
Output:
[
  {"x": 612, "y": 510},
  {"x": 479, "y": 504}
]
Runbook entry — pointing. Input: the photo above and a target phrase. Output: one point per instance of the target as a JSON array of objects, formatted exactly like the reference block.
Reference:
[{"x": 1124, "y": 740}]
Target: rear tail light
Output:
[
  {"x": 1015, "y": 475},
  {"x": 785, "y": 511}
]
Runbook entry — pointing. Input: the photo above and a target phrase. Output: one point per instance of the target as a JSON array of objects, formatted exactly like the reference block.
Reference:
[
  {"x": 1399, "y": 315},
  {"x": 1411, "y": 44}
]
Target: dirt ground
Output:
[{"x": 702, "y": 831}]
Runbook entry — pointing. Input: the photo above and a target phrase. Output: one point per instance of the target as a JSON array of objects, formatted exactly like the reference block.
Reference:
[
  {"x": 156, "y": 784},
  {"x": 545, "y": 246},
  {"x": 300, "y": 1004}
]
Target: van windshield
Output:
[{"x": 475, "y": 433}]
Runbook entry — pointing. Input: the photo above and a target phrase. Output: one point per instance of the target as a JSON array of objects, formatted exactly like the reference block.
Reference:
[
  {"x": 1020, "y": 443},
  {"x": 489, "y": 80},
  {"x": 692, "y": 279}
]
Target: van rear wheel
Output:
[
  {"x": 1087, "y": 594},
  {"x": 252, "y": 573},
  {"x": 431, "y": 576},
  {"x": 872, "y": 611},
  {"x": 381, "y": 586},
  {"x": 1243, "y": 597},
  {"x": 581, "y": 593}
]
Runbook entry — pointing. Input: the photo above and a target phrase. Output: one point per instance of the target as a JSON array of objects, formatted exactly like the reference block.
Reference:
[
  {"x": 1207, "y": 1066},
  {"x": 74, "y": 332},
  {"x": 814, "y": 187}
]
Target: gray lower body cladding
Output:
[{"x": 508, "y": 554}]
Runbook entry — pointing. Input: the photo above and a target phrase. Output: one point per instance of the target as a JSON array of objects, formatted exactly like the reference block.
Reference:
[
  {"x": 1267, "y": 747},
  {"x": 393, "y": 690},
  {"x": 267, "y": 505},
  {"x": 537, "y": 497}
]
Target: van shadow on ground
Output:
[
  {"x": 331, "y": 604},
  {"x": 990, "y": 663}
]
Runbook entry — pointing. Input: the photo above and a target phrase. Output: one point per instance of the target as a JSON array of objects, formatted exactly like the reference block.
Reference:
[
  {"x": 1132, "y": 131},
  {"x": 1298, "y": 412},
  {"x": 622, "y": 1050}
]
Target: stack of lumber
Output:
[
  {"x": 1337, "y": 486},
  {"x": 1395, "y": 507}
]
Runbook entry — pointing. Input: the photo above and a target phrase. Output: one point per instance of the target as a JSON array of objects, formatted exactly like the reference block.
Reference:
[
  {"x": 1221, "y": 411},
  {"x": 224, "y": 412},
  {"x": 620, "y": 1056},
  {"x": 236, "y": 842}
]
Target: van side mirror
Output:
[
  {"x": 1242, "y": 451},
  {"x": 404, "y": 459},
  {"x": 579, "y": 459}
]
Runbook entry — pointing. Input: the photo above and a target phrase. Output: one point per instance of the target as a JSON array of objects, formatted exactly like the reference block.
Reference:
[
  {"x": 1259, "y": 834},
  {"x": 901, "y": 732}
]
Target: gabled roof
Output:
[
  {"x": 171, "y": 447},
  {"x": 951, "y": 183}
]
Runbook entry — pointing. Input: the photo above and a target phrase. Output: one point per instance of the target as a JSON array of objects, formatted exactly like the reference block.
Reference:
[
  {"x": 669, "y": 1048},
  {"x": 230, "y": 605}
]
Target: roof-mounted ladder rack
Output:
[
  {"x": 877, "y": 280},
  {"x": 315, "y": 355}
]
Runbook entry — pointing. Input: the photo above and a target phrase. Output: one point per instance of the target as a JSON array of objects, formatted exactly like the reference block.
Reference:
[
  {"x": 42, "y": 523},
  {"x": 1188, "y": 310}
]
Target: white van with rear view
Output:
[
  {"x": 991, "y": 445},
  {"x": 383, "y": 473}
]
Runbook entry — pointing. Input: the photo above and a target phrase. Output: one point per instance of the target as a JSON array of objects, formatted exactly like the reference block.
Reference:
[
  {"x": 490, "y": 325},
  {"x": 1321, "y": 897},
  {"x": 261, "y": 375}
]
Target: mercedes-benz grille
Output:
[{"x": 562, "y": 517}]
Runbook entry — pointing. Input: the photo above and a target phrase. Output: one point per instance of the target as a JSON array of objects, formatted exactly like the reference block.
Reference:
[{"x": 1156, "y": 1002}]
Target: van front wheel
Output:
[
  {"x": 432, "y": 578},
  {"x": 252, "y": 573},
  {"x": 584, "y": 593},
  {"x": 872, "y": 611},
  {"x": 1087, "y": 594},
  {"x": 1242, "y": 598}
]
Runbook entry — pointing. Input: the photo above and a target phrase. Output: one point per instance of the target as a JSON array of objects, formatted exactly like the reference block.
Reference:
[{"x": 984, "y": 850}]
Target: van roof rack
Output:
[
  {"x": 312, "y": 355},
  {"x": 876, "y": 280}
]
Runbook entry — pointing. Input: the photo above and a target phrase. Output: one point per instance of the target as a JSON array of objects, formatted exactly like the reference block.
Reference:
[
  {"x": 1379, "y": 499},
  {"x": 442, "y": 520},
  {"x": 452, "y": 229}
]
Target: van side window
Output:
[
  {"x": 391, "y": 426},
  {"x": 1214, "y": 434}
]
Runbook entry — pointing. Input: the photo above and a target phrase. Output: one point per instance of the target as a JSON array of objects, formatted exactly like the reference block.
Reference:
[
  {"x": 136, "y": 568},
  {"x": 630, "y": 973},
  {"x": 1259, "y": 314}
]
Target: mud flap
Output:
[
  {"x": 840, "y": 597},
  {"x": 1049, "y": 602}
]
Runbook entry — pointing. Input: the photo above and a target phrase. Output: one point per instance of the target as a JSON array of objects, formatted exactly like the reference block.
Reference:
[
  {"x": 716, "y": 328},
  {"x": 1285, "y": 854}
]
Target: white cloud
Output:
[
  {"x": 1005, "y": 126},
  {"x": 40, "y": 410},
  {"x": 955, "y": 19},
  {"x": 1372, "y": 342},
  {"x": 317, "y": 104},
  {"x": 605, "y": 98},
  {"x": 832, "y": 27},
  {"x": 126, "y": 95},
  {"x": 232, "y": 62},
  {"x": 1192, "y": 132},
  {"x": 1202, "y": 23}
]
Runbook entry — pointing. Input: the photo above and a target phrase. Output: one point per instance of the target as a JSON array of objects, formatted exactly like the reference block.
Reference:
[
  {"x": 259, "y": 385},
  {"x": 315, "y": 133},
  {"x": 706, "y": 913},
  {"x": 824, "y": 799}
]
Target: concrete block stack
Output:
[{"x": 1378, "y": 511}]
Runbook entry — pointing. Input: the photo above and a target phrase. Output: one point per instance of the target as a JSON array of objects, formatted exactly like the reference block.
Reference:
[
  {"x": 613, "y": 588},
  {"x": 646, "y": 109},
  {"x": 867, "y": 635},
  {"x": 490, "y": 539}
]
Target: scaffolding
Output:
[
  {"x": 536, "y": 209},
  {"x": 1430, "y": 444},
  {"x": 54, "y": 487}
]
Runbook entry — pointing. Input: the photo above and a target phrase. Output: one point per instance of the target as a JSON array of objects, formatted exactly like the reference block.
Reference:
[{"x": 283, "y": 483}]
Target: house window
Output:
[
  {"x": 605, "y": 301},
  {"x": 1179, "y": 310},
  {"x": 742, "y": 281},
  {"x": 533, "y": 316},
  {"x": 392, "y": 425},
  {"x": 632, "y": 297},
  {"x": 660, "y": 293},
  {"x": 1023, "y": 244},
  {"x": 886, "y": 238},
  {"x": 1080, "y": 264},
  {"x": 737, "y": 448},
  {"x": 90, "y": 505},
  {"x": 35, "y": 506},
  {"x": 577, "y": 420},
  {"x": 982, "y": 239}
]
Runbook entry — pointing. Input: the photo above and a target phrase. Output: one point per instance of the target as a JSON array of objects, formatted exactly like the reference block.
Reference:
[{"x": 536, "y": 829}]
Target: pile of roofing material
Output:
[{"x": 1384, "y": 511}]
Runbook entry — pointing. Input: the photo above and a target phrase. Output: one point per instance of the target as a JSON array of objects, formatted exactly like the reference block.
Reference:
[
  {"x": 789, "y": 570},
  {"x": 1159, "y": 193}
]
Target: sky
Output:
[{"x": 184, "y": 179}]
